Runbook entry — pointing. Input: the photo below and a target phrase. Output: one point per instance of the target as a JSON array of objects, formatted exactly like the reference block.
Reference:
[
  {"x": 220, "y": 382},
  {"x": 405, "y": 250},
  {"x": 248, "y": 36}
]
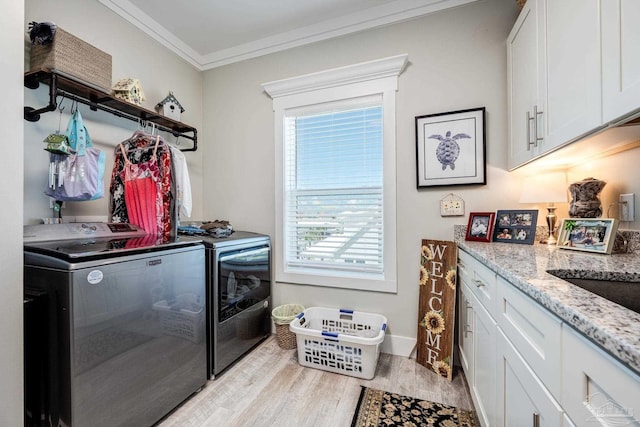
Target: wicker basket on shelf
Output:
[
  {"x": 521, "y": 3},
  {"x": 75, "y": 57}
]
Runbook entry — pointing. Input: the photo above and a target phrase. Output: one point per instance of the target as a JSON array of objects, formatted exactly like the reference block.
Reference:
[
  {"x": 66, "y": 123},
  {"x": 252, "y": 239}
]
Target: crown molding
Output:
[
  {"x": 389, "y": 13},
  {"x": 376, "y": 69}
]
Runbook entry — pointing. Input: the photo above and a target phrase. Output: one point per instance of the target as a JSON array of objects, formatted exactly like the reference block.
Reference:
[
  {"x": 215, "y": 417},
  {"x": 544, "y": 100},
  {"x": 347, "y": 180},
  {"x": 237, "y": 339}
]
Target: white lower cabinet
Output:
[
  {"x": 522, "y": 398},
  {"x": 477, "y": 340},
  {"x": 526, "y": 367},
  {"x": 484, "y": 365},
  {"x": 597, "y": 389}
]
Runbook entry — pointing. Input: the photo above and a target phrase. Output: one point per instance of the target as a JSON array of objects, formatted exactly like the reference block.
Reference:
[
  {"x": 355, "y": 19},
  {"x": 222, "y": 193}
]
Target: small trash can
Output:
[{"x": 282, "y": 316}]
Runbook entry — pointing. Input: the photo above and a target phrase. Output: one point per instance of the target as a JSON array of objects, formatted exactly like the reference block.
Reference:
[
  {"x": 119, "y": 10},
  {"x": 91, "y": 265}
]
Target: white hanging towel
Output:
[{"x": 183, "y": 184}]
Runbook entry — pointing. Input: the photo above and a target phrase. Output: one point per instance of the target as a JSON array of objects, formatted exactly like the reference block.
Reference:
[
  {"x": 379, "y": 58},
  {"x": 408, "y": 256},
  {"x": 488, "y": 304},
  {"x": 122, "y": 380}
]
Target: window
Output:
[
  {"x": 335, "y": 177},
  {"x": 333, "y": 207}
]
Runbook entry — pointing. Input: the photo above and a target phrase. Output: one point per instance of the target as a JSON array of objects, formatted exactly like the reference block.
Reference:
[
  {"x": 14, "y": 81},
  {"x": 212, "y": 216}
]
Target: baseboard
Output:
[{"x": 399, "y": 346}]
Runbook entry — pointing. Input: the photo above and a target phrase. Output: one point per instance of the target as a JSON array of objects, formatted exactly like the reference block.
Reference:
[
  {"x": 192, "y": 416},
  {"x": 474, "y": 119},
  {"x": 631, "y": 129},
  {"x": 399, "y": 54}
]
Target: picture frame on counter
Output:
[
  {"x": 450, "y": 148},
  {"x": 480, "y": 226},
  {"x": 588, "y": 234},
  {"x": 516, "y": 226}
]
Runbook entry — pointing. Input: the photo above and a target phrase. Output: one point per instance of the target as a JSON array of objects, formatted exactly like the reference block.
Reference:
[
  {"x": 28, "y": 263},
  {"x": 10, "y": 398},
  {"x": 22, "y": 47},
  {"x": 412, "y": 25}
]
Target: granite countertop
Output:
[{"x": 614, "y": 328}]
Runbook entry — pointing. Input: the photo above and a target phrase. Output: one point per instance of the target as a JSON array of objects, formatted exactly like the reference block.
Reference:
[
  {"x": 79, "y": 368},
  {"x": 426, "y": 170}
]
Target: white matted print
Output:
[{"x": 450, "y": 148}]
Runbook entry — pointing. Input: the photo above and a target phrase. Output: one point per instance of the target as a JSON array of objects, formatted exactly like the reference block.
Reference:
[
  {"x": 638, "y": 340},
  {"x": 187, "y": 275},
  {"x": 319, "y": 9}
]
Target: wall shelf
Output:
[{"x": 61, "y": 84}]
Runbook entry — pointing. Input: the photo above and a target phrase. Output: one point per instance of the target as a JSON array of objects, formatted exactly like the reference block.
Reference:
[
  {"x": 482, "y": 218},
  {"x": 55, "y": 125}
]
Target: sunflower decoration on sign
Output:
[
  {"x": 451, "y": 278},
  {"x": 426, "y": 253},
  {"x": 433, "y": 322},
  {"x": 424, "y": 276},
  {"x": 442, "y": 368},
  {"x": 425, "y": 256}
]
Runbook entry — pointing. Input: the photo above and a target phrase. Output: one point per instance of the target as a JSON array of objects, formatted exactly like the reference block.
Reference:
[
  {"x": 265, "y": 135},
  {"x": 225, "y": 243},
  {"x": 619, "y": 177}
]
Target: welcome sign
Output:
[{"x": 436, "y": 305}]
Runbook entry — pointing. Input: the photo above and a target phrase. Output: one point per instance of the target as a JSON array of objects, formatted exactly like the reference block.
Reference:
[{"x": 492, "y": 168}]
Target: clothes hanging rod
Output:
[
  {"x": 122, "y": 114},
  {"x": 97, "y": 102}
]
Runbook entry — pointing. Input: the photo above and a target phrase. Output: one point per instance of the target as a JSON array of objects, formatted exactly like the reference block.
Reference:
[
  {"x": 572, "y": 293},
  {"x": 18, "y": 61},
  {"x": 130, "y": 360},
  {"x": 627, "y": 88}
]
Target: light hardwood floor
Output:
[{"x": 269, "y": 388}]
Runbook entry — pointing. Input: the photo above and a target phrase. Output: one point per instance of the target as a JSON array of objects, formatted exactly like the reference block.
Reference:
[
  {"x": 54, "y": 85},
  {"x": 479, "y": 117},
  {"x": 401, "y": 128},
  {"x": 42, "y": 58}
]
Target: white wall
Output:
[
  {"x": 134, "y": 54},
  {"x": 457, "y": 60},
  {"x": 11, "y": 173}
]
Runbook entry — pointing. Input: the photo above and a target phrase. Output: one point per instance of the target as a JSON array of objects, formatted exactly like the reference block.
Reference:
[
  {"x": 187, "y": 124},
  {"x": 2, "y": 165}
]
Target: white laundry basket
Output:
[{"x": 341, "y": 341}]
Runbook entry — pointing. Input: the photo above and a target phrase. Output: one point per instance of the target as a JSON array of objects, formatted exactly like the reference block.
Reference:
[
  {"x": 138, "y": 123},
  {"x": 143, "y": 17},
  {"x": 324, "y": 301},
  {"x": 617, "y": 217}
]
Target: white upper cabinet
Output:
[
  {"x": 571, "y": 92},
  {"x": 522, "y": 81},
  {"x": 620, "y": 58},
  {"x": 554, "y": 76}
]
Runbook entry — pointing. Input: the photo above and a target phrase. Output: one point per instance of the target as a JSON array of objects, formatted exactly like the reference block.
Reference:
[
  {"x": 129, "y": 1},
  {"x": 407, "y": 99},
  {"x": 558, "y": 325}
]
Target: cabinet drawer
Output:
[
  {"x": 597, "y": 390},
  {"x": 481, "y": 281},
  {"x": 533, "y": 331}
]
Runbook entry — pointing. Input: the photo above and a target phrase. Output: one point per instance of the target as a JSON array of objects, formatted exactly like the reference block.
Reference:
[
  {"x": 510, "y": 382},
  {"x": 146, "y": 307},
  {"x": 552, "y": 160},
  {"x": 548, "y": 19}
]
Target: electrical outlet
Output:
[{"x": 627, "y": 207}]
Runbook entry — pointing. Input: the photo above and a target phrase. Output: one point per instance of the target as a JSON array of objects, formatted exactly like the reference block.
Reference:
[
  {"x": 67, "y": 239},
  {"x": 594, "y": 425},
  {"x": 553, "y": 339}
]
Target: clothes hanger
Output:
[
  {"x": 61, "y": 109},
  {"x": 141, "y": 133}
]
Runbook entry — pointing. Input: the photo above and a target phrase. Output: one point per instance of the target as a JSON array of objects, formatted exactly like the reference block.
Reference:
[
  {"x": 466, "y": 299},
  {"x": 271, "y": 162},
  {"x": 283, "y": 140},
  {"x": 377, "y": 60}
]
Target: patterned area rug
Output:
[{"x": 377, "y": 408}]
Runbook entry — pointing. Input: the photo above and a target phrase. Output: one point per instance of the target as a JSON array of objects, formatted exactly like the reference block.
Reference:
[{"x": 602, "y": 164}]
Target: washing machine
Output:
[{"x": 123, "y": 324}]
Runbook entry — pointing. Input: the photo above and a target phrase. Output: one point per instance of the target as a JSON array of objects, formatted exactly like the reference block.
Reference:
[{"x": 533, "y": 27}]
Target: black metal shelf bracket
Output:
[{"x": 33, "y": 115}]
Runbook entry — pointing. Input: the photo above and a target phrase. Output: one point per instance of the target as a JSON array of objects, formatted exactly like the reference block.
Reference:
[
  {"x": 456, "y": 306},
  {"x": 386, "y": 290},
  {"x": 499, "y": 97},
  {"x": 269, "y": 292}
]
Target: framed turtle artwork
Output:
[{"x": 450, "y": 148}]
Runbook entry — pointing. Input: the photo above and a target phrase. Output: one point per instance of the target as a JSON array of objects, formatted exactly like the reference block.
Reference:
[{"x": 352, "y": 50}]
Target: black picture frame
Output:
[
  {"x": 450, "y": 148},
  {"x": 516, "y": 226}
]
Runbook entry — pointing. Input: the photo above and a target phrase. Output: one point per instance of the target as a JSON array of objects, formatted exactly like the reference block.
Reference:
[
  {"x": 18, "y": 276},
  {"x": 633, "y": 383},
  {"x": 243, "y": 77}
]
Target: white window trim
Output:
[{"x": 378, "y": 77}]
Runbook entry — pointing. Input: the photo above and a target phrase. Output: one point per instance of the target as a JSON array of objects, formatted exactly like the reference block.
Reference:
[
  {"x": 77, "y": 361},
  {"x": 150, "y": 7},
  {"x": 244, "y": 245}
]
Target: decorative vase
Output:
[{"x": 585, "y": 201}]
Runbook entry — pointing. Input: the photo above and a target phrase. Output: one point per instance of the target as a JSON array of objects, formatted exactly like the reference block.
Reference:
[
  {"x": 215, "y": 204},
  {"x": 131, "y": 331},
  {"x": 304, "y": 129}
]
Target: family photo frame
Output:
[
  {"x": 450, "y": 148},
  {"x": 516, "y": 226},
  {"x": 480, "y": 226},
  {"x": 588, "y": 234}
]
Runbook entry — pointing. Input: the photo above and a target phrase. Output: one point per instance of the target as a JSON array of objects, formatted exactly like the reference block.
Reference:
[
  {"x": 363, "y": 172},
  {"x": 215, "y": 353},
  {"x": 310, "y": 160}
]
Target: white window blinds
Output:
[{"x": 333, "y": 181}]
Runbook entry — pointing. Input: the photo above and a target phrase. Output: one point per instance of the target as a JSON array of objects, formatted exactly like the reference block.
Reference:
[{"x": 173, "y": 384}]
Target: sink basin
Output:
[{"x": 626, "y": 294}]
